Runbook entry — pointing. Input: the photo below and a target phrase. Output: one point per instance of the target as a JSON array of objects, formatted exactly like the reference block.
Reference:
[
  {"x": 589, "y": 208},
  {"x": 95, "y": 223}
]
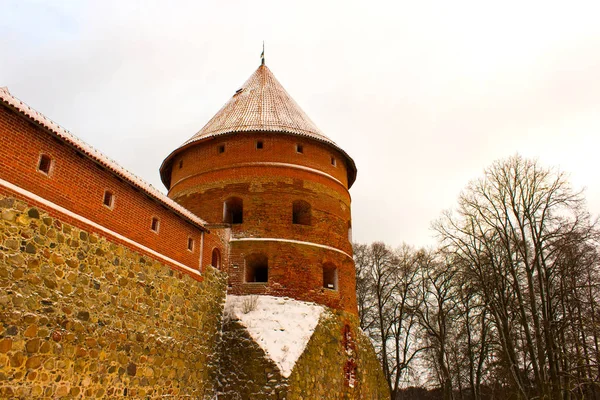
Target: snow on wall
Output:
[{"x": 279, "y": 325}]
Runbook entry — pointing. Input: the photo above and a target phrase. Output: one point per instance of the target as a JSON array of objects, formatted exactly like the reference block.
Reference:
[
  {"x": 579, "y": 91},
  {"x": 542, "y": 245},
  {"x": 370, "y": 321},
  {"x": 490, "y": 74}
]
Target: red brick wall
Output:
[
  {"x": 241, "y": 148},
  {"x": 207, "y": 178},
  {"x": 295, "y": 270},
  {"x": 78, "y": 184}
]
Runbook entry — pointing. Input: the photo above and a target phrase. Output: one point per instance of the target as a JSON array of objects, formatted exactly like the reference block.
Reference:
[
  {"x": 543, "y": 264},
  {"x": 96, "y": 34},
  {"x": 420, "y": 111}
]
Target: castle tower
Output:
[{"x": 261, "y": 168}]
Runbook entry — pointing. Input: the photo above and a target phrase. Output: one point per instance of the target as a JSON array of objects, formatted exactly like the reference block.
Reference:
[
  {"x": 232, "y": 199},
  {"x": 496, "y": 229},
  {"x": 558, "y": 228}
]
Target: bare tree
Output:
[
  {"x": 438, "y": 302},
  {"x": 507, "y": 234},
  {"x": 386, "y": 287}
]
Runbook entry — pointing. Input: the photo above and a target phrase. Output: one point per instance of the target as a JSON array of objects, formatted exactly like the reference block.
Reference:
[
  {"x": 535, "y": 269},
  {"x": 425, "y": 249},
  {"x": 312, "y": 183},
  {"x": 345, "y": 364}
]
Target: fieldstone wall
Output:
[
  {"x": 245, "y": 372},
  {"x": 338, "y": 363},
  {"x": 83, "y": 317}
]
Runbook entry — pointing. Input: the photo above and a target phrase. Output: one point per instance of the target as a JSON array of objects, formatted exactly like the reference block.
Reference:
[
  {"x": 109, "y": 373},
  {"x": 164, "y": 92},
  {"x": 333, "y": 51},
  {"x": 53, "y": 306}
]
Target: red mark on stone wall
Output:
[{"x": 350, "y": 350}]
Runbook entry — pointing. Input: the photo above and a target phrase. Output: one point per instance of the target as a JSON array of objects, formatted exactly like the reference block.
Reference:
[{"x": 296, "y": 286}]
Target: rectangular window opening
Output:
[
  {"x": 330, "y": 277},
  {"x": 221, "y": 148},
  {"x": 190, "y": 244},
  {"x": 155, "y": 224},
  {"x": 44, "y": 164},
  {"x": 109, "y": 199},
  {"x": 259, "y": 145},
  {"x": 257, "y": 269},
  {"x": 333, "y": 161},
  {"x": 299, "y": 148}
]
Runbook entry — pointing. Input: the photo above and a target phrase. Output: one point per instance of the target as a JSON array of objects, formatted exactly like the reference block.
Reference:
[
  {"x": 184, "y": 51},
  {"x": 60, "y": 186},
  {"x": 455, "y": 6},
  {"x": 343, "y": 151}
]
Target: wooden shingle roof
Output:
[{"x": 261, "y": 104}]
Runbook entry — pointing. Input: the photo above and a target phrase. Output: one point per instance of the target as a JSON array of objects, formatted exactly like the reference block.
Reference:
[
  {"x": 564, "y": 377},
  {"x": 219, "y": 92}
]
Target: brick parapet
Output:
[{"x": 77, "y": 183}]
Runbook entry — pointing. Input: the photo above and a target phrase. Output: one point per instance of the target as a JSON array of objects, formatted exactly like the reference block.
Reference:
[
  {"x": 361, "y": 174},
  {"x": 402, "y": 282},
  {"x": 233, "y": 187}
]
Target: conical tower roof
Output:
[{"x": 260, "y": 105}]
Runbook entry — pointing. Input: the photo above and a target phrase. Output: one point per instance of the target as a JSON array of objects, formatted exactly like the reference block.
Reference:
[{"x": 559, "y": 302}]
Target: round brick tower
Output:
[{"x": 278, "y": 187}]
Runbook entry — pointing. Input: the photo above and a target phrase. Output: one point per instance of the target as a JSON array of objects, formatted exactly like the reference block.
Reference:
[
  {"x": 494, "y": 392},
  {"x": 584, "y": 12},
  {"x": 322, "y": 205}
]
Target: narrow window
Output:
[
  {"x": 259, "y": 145},
  {"x": 330, "y": 276},
  {"x": 216, "y": 258},
  {"x": 333, "y": 161},
  {"x": 257, "y": 268},
  {"x": 350, "y": 231},
  {"x": 180, "y": 164},
  {"x": 44, "y": 164},
  {"x": 299, "y": 148},
  {"x": 221, "y": 148},
  {"x": 109, "y": 199},
  {"x": 155, "y": 224},
  {"x": 233, "y": 211},
  {"x": 190, "y": 244},
  {"x": 301, "y": 213}
]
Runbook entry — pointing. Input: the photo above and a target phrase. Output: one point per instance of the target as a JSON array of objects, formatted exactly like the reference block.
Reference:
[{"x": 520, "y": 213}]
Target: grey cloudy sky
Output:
[{"x": 422, "y": 94}]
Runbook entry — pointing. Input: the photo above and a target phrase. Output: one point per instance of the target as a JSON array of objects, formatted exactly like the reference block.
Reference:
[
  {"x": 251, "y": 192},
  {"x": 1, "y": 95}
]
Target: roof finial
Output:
[{"x": 262, "y": 55}]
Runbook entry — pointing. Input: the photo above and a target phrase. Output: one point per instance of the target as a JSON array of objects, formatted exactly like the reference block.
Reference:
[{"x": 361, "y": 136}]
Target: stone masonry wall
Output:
[
  {"x": 338, "y": 363},
  {"x": 82, "y": 316},
  {"x": 245, "y": 372}
]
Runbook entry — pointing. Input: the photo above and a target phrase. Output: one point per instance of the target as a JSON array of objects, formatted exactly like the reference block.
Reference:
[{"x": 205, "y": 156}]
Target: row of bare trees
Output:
[{"x": 507, "y": 306}]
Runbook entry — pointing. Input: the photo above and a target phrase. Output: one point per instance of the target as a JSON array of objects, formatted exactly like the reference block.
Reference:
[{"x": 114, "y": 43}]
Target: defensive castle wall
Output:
[
  {"x": 106, "y": 284},
  {"x": 98, "y": 297},
  {"x": 86, "y": 316},
  {"x": 338, "y": 363},
  {"x": 70, "y": 182}
]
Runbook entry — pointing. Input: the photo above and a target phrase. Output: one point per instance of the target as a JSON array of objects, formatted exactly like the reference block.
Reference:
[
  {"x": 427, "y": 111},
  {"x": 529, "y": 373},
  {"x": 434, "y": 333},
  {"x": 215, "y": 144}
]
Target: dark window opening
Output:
[
  {"x": 216, "y": 258},
  {"x": 154, "y": 225},
  {"x": 301, "y": 213},
  {"x": 299, "y": 148},
  {"x": 221, "y": 148},
  {"x": 257, "y": 268},
  {"x": 259, "y": 144},
  {"x": 190, "y": 244},
  {"x": 44, "y": 164},
  {"x": 233, "y": 211},
  {"x": 180, "y": 164},
  {"x": 333, "y": 161},
  {"x": 108, "y": 199},
  {"x": 330, "y": 276}
]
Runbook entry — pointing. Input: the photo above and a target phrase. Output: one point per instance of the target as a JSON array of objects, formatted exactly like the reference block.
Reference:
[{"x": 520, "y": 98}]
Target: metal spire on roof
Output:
[{"x": 262, "y": 55}]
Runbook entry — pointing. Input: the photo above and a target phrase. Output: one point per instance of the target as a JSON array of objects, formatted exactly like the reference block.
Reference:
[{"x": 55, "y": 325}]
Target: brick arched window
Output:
[
  {"x": 256, "y": 268},
  {"x": 301, "y": 213},
  {"x": 233, "y": 210},
  {"x": 216, "y": 258},
  {"x": 330, "y": 276}
]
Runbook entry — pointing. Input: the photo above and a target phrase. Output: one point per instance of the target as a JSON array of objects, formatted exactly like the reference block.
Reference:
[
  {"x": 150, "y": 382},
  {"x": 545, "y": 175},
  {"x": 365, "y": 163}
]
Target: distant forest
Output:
[{"x": 507, "y": 306}]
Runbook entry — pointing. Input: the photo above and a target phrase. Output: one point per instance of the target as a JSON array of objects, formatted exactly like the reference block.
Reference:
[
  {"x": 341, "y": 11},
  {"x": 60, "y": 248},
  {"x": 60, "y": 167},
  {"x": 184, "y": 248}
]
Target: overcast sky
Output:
[{"x": 423, "y": 95}]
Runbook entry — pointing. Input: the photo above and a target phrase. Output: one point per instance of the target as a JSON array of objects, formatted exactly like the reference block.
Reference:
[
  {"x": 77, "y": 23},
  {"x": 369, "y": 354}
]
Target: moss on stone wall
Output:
[
  {"x": 321, "y": 372},
  {"x": 82, "y": 316}
]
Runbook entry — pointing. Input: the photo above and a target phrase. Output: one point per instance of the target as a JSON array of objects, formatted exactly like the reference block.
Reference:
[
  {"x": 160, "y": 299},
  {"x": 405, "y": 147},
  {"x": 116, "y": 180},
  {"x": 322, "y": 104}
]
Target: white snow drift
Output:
[{"x": 281, "y": 326}]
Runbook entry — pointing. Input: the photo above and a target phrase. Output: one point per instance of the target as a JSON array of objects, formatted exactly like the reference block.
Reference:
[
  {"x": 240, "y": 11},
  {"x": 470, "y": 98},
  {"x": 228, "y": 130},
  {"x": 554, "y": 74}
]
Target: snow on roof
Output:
[
  {"x": 281, "y": 326},
  {"x": 64, "y": 135}
]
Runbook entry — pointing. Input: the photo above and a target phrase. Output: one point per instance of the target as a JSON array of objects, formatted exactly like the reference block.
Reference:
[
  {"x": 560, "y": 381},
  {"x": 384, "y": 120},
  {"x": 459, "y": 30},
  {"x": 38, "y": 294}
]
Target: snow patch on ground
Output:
[{"x": 281, "y": 326}]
